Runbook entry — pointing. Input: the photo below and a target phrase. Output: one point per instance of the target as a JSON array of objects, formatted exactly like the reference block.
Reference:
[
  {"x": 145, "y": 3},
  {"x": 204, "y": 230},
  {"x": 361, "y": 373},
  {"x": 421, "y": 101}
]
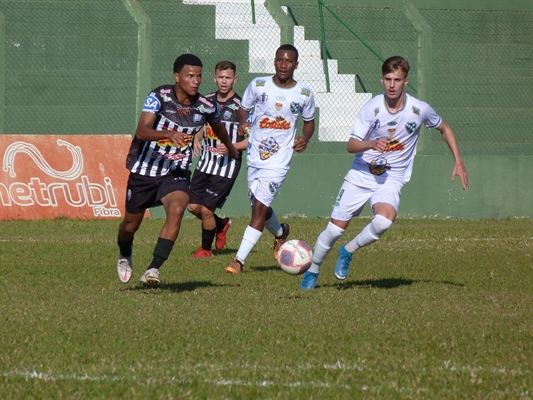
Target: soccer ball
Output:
[{"x": 295, "y": 257}]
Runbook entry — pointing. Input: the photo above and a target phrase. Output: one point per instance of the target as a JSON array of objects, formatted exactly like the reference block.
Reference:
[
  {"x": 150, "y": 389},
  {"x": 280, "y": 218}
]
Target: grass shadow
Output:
[
  {"x": 179, "y": 287},
  {"x": 387, "y": 283},
  {"x": 266, "y": 268}
]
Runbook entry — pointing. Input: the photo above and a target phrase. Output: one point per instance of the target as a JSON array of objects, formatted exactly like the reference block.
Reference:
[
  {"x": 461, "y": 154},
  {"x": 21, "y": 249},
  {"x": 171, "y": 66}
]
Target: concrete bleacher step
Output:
[
  {"x": 338, "y": 108},
  {"x": 337, "y": 114}
]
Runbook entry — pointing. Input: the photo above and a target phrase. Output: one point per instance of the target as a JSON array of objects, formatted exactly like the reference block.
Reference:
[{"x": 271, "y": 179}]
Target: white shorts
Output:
[
  {"x": 360, "y": 186},
  {"x": 264, "y": 184}
]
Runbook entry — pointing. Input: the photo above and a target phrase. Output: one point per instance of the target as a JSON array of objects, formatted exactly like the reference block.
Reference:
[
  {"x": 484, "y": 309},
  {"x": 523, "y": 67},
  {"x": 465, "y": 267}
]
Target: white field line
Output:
[{"x": 447, "y": 366}]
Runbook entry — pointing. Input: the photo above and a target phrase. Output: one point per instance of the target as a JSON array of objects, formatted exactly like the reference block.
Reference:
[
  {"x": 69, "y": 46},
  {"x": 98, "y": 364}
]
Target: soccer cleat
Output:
[
  {"x": 124, "y": 268},
  {"x": 309, "y": 280},
  {"x": 150, "y": 278},
  {"x": 343, "y": 263},
  {"x": 278, "y": 242},
  {"x": 235, "y": 267},
  {"x": 202, "y": 253},
  {"x": 220, "y": 241}
]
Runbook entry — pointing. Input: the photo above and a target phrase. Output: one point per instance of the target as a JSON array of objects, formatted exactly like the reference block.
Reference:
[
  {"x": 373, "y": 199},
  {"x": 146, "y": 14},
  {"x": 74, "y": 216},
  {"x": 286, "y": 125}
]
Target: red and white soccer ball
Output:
[{"x": 295, "y": 257}]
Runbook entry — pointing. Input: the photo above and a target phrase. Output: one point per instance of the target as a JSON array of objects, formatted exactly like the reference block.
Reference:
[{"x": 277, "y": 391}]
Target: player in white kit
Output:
[
  {"x": 276, "y": 101},
  {"x": 384, "y": 139}
]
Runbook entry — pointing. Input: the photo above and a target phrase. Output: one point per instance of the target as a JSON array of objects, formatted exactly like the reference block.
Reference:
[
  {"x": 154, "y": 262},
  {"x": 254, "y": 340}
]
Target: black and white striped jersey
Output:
[
  {"x": 210, "y": 161},
  {"x": 159, "y": 158}
]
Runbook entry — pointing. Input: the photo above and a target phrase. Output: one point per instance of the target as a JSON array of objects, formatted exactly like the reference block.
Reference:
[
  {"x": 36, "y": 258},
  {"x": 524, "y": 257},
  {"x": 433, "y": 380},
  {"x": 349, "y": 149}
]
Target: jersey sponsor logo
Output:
[
  {"x": 306, "y": 92},
  {"x": 168, "y": 143},
  {"x": 392, "y": 123},
  {"x": 184, "y": 110},
  {"x": 379, "y": 166},
  {"x": 163, "y": 91},
  {"x": 203, "y": 100},
  {"x": 172, "y": 157},
  {"x": 166, "y": 98},
  {"x": 394, "y": 145},
  {"x": 416, "y": 110},
  {"x": 295, "y": 108},
  {"x": 263, "y": 98},
  {"x": 278, "y": 106},
  {"x": 280, "y": 98},
  {"x": 237, "y": 101},
  {"x": 233, "y": 107},
  {"x": 279, "y": 123},
  {"x": 202, "y": 109},
  {"x": 259, "y": 83},
  {"x": 210, "y": 134},
  {"x": 268, "y": 148},
  {"x": 151, "y": 104},
  {"x": 410, "y": 127}
]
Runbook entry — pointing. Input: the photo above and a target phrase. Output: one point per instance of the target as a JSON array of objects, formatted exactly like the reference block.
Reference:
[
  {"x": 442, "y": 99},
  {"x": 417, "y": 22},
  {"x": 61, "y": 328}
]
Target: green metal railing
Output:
[{"x": 321, "y": 6}]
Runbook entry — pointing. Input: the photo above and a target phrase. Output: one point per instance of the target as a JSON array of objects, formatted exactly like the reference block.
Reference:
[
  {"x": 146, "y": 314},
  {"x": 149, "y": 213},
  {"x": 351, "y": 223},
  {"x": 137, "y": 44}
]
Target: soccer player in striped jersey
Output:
[
  {"x": 383, "y": 139},
  {"x": 277, "y": 102},
  {"x": 159, "y": 159},
  {"x": 216, "y": 172}
]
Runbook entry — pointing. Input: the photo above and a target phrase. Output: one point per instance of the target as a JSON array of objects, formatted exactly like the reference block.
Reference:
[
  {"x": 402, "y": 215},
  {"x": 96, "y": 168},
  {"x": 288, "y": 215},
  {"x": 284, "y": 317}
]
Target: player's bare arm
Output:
[
  {"x": 220, "y": 130},
  {"x": 197, "y": 144},
  {"x": 300, "y": 142},
  {"x": 244, "y": 126},
  {"x": 459, "y": 168},
  {"x": 240, "y": 146},
  {"x": 357, "y": 146},
  {"x": 145, "y": 131}
]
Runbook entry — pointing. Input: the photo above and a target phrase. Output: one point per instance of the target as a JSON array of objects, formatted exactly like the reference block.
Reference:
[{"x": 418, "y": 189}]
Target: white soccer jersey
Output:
[
  {"x": 401, "y": 128},
  {"x": 274, "y": 121}
]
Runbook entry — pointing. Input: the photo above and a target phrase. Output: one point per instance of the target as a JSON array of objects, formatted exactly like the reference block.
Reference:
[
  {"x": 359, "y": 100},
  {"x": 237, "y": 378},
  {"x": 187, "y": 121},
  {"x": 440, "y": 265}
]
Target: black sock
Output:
[
  {"x": 207, "y": 238},
  {"x": 161, "y": 252},
  {"x": 220, "y": 222},
  {"x": 125, "y": 247}
]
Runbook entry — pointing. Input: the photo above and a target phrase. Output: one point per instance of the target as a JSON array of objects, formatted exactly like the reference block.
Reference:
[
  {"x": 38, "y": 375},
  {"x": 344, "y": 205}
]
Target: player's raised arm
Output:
[{"x": 355, "y": 146}]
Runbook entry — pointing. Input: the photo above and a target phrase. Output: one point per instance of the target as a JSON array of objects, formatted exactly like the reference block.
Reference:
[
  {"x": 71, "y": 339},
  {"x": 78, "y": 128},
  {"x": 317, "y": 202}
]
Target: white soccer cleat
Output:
[
  {"x": 124, "y": 268},
  {"x": 150, "y": 278}
]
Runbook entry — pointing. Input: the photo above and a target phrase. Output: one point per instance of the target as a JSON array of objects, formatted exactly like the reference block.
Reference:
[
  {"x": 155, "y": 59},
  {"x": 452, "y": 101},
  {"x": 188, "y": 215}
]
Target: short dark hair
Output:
[
  {"x": 186, "y": 59},
  {"x": 288, "y": 47},
  {"x": 395, "y": 63},
  {"x": 224, "y": 65}
]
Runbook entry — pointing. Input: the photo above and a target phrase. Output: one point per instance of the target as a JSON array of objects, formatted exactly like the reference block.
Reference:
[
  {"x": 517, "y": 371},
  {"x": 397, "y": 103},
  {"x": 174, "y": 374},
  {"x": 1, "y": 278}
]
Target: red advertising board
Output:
[{"x": 73, "y": 176}]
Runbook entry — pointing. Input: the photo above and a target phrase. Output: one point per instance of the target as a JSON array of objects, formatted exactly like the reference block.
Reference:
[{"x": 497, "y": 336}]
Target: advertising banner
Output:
[{"x": 73, "y": 176}]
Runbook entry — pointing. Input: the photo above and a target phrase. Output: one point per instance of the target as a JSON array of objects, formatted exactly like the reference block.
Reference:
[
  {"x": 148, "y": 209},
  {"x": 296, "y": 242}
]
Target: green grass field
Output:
[{"x": 436, "y": 309}]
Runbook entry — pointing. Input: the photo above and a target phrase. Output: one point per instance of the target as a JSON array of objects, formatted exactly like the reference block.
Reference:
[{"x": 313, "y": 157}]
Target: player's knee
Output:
[
  {"x": 333, "y": 232},
  {"x": 380, "y": 225},
  {"x": 206, "y": 212},
  {"x": 194, "y": 208}
]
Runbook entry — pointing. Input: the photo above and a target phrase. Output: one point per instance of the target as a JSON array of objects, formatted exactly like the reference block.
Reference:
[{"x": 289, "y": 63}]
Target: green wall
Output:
[{"x": 499, "y": 187}]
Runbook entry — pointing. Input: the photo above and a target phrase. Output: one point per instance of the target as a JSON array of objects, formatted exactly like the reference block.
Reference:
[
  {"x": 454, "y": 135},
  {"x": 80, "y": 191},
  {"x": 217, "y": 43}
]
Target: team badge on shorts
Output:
[{"x": 273, "y": 187}]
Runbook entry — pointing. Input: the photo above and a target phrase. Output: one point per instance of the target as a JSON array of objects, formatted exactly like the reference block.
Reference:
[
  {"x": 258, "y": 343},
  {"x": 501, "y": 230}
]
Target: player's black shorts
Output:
[
  {"x": 147, "y": 191},
  {"x": 210, "y": 190}
]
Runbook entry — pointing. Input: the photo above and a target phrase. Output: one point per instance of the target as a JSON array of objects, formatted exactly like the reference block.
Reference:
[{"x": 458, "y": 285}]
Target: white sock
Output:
[
  {"x": 273, "y": 226},
  {"x": 323, "y": 245},
  {"x": 370, "y": 233},
  {"x": 250, "y": 238}
]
